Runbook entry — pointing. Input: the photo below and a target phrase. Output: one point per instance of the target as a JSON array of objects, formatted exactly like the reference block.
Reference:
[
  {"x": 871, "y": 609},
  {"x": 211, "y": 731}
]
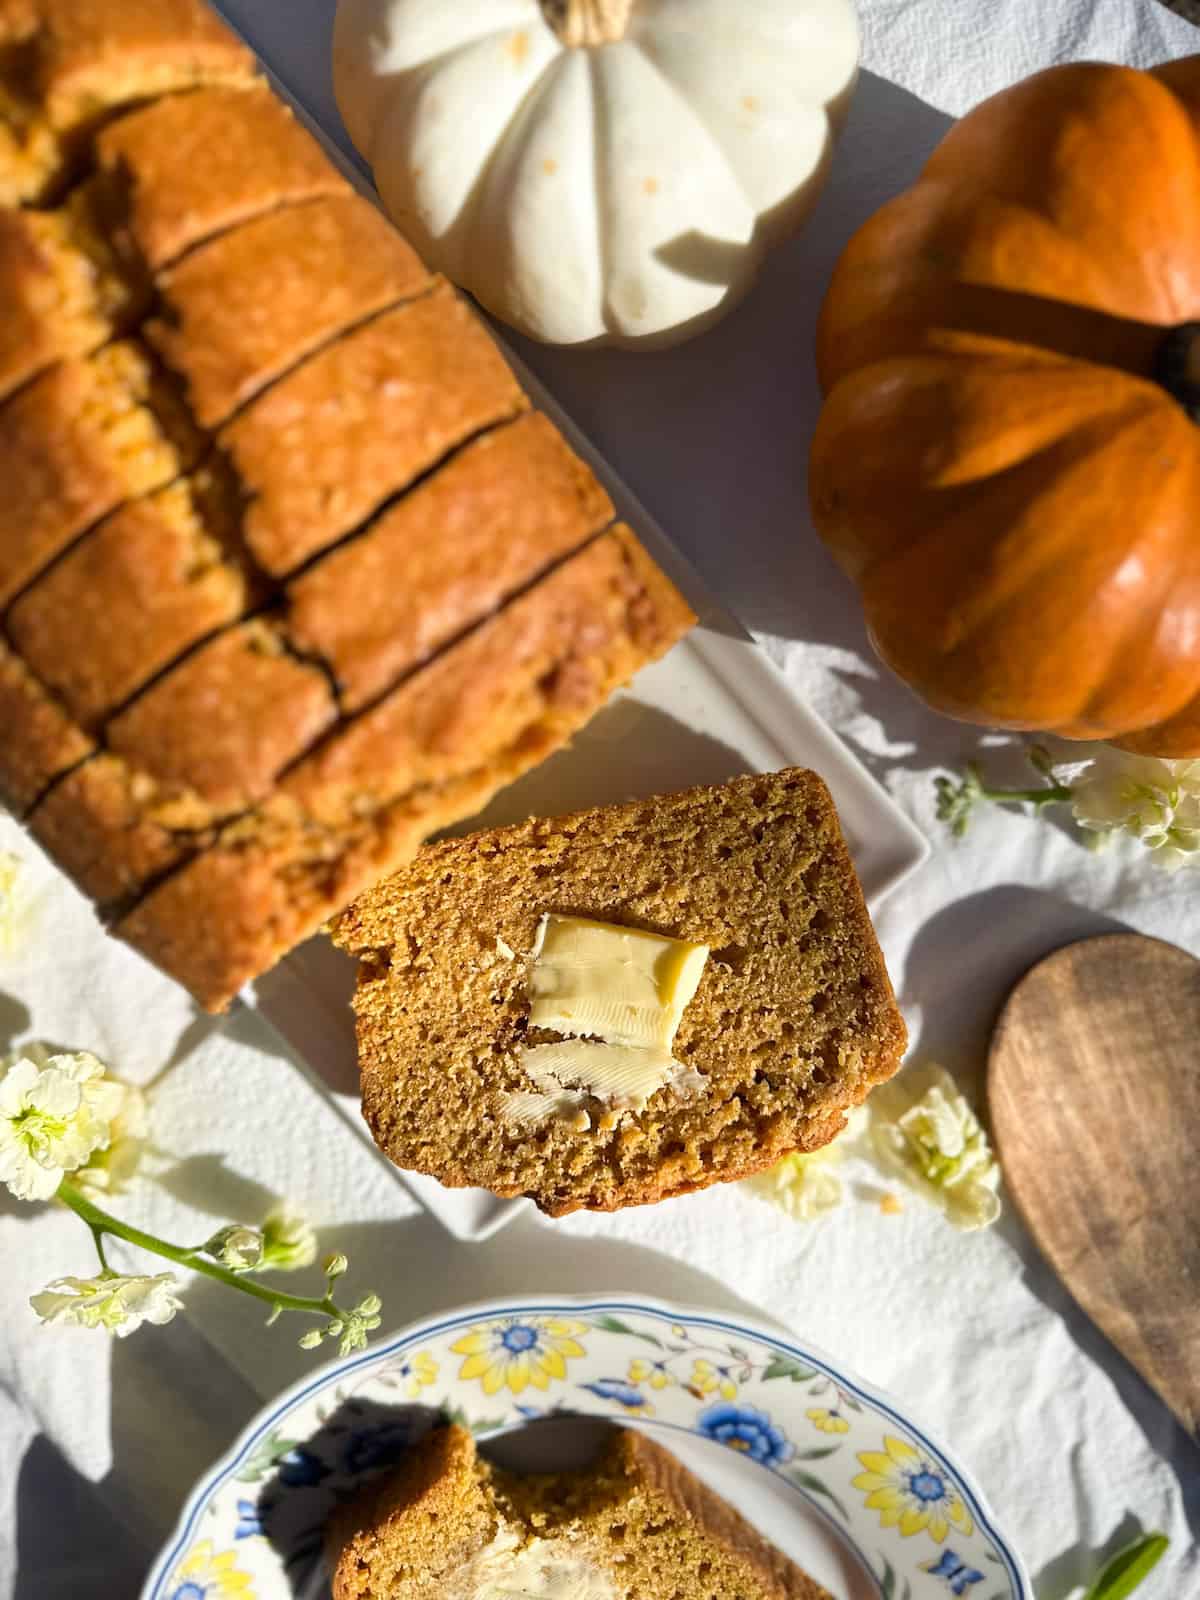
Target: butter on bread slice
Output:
[
  {"x": 635, "y": 1524},
  {"x": 792, "y": 1023}
]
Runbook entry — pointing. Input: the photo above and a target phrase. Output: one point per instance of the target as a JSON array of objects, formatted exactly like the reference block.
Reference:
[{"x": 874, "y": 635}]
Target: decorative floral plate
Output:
[{"x": 825, "y": 1466}]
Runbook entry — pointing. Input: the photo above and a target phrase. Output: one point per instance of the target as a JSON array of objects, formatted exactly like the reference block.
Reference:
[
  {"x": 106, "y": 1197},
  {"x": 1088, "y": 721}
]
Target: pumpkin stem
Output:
[
  {"x": 1177, "y": 367},
  {"x": 588, "y": 23}
]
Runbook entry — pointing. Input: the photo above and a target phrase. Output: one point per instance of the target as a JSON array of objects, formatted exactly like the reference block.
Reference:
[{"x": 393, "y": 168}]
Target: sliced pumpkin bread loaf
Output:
[
  {"x": 636, "y": 1524},
  {"x": 291, "y": 571},
  {"x": 793, "y": 1020}
]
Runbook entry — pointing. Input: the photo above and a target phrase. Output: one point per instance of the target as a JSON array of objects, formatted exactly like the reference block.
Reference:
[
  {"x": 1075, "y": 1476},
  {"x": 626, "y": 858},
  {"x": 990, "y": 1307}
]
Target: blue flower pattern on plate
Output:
[
  {"x": 626, "y": 1395},
  {"x": 700, "y": 1376},
  {"x": 750, "y": 1431}
]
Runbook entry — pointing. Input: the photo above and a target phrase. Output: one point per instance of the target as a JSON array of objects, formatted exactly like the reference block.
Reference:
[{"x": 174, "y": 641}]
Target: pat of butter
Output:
[
  {"x": 624, "y": 1075},
  {"x": 564, "y": 1105},
  {"x": 621, "y": 985},
  {"x": 542, "y": 1569}
]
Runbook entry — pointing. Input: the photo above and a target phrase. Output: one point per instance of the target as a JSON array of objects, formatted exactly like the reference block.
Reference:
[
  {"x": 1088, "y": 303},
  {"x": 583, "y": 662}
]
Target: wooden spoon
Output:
[{"x": 1094, "y": 1094}]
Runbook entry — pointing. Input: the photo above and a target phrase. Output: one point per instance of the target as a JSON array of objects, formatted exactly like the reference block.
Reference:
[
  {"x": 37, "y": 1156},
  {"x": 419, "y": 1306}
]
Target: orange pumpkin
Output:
[{"x": 1008, "y": 458}]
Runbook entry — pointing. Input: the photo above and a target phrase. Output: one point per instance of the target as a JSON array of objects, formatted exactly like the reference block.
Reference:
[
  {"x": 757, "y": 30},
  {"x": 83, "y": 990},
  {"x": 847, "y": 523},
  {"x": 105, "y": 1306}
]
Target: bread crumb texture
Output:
[
  {"x": 636, "y": 1525},
  {"x": 793, "y": 1022}
]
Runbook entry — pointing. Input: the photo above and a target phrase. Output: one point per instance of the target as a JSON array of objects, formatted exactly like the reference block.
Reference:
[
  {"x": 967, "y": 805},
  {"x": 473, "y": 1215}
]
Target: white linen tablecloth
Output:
[{"x": 100, "y": 1442}]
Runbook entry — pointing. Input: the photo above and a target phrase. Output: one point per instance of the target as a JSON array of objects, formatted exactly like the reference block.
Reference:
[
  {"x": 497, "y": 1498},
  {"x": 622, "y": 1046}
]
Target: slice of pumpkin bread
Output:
[
  {"x": 61, "y": 291},
  {"x": 241, "y": 310},
  {"x": 74, "y": 444},
  {"x": 190, "y": 166},
  {"x": 50, "y": 742},
  {"x": 635, "y": 1524},
  {"x": 431, "y": 752},
  {"x": 66, "y": 65},
  {"x": 792, "y": 1023}
]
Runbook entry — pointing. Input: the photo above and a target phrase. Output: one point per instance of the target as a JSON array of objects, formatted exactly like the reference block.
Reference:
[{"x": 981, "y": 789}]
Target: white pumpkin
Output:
[{"x": 596, "y": 171}]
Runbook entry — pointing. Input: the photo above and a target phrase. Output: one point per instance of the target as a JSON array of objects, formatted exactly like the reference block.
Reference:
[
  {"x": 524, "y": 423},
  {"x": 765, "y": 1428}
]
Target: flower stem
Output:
[
  {"x": 101, "y": 1222},
  {"x": 957, "y": 800},
  {"x": 1052, "y": 794},
  {"x": 98, "y": 1241}
]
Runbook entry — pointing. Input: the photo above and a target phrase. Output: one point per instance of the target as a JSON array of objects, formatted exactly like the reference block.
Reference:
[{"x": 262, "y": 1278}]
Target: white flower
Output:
[
  {"x": 111, "y": 1301},
  {"x": 288, "y": 1241},
  {"x": 923, "y": 1129},
  {"x": 53, "y": 1114},
  {"x": 10, "y": 872},
  {"x": 236, "y": 1247},
  {"x": 802, "y": 1184},
  {"x": 110, "y": 1170},
  {"x": 349, "y": 1327},
  {"x": 1156, "y": 801},
  {"x": 357, "y": 1324}
]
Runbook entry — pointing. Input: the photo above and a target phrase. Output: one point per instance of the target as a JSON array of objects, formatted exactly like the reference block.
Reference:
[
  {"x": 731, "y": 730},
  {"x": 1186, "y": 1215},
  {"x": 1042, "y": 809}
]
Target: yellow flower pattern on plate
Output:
[
  {"x": 652, "y": 1372},
  {"x": 910, "y": 1492},
  {"x": 204, "y": 1575},
  {"x": 772, "y": 1407},
  {"x": 417, "y": 1372},
  {"x": 827, "y": 1421},
  {"x": 709, "y": 1379},
  {"x": 519, "y": 1352}
]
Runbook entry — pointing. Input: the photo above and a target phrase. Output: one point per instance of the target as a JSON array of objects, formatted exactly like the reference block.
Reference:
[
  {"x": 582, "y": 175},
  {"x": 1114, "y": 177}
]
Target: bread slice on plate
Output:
[
  {"x": 635, "y": 1525},
  {"x": 741, "y": 896}
]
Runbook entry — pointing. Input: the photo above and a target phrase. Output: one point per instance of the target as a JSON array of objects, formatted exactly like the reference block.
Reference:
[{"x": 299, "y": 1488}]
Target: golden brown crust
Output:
[
  {"x": 434, "y": 751},
  {"x": 550, "y": 659},
  {"x": 39, "y": 740},
  {"x": 793, "y": 1023},
  {"x": 359, "y": 421},
  {"x": 381, "y": 1543},
  {"x": 67, "y": 64},
  {"x": 681, "y": 1177},
  {"x": 228, "y": 719},
  {"x": 289, "y": 315},
  {"x": 242, "y": 309},
  {"x": 191, "y": 166},
  {"x": 687, "y": 1499},
  {"x": 31, "y": 152},
  {"x": 59, "y": 292},
  {"x": 487, "y": 523},
  {"x": 89, "y": 55},
  {"x": 131, "y": 596},
  {"x": 74, "y": 444},
  {"x": 101, "y": 823}
]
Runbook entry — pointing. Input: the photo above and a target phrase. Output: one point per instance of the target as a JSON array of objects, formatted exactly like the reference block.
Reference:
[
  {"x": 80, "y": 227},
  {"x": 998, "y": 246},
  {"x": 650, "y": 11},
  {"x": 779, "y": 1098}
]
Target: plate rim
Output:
[{"x": 755, "y": 1325}]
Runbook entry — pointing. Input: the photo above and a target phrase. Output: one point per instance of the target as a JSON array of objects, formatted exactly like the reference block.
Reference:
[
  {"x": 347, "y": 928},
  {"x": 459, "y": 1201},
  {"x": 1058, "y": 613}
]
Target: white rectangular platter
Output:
[{"x": 715, "y": 706}]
